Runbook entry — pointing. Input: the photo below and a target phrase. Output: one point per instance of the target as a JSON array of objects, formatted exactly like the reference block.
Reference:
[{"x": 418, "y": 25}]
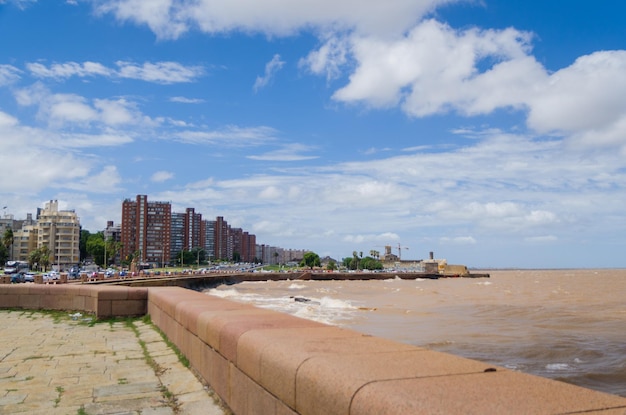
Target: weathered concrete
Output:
[{"x": 62, "y": 366}]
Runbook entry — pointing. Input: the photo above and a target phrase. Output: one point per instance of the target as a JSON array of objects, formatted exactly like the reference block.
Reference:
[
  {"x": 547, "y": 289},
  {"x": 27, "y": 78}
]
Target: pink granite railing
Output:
[
  {"x": 264, "y": 362},
  {"x": 102, "y": 300}
]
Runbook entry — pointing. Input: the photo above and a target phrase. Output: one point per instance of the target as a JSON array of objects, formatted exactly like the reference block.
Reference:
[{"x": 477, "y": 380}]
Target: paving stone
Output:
[{"x": 58, "y": 367}]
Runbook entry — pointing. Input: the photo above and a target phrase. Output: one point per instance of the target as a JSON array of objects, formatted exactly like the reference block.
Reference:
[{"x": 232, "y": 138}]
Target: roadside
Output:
[{"x": 60, "y": 363}]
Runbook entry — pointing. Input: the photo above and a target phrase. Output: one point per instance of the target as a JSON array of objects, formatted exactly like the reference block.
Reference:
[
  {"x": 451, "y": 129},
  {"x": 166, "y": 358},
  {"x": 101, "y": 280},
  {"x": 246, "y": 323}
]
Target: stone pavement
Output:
[{"x": 60, "y": 364}]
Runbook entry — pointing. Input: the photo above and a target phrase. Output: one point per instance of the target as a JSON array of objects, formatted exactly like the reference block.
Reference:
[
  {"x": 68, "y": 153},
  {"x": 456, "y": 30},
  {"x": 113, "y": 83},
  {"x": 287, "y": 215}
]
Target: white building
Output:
[{"x": 59, "y": 230}]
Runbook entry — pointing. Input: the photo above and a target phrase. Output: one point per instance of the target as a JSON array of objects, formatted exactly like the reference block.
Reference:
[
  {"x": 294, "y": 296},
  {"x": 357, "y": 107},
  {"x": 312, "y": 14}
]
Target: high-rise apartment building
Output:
[
  {"x": 248, "y": 247},
  {"x": 194, "y": 230},
  {"x": 59, "y": 230},
  {"x": 223, "y": 249},
  {"x": 159, "y": 236},
  {"x": 24, "y": 239},
  {"x": 177, "y": 236},
  {"x": 146, "y": 230},
  {"x": 187, "y": 232},
  {"x": 209, "y": 239}
]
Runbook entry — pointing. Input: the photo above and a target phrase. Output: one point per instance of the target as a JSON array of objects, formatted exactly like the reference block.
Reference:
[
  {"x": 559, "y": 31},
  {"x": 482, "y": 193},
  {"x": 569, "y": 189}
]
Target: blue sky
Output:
[{"x": 490, "y": 132}]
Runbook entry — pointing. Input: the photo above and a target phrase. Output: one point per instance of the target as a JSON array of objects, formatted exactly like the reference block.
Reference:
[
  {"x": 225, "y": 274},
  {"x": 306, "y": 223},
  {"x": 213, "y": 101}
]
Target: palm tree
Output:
[
  {"x": 44, "y": 258},
  {"x": 7, "y": 240}
]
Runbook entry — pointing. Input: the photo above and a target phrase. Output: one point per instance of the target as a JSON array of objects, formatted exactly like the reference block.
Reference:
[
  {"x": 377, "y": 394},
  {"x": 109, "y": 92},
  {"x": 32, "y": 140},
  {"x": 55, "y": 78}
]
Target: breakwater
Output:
[{"x": 265, "y": 362}]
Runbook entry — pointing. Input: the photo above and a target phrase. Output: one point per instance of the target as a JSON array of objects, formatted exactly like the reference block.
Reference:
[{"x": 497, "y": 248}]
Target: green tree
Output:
[
  {"x": 355, "y": 261},
  {"x": 7, "y": 241},
  {"x": 331, "y": 266},
  {"x": 112, "y": 248},
  {"x": 347, "y": 262},
  {"x": 310, "y": 259},
  {"x": 45, "y": 257},
  {"x": 82, "y": 243},
  {"x": 4, "y": 254},
  {"x": 95, "y": 247},
  {"x": 371, "y": 263},
  {"x": 39, "y": 258}
]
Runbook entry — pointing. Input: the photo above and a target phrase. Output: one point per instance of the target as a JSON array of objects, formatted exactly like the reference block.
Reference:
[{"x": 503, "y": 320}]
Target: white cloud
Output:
[
  {"x": 290, "y": 152},
  {"x": 329, "y": 58},
  {"x": 161, "y": 176},
  {"x": 104, "y": 181},
  {"x": 435, "y": 68},
  {"x": 8, "y": 74},
  {"x": 184, "y": 100},
  {"x": 172, "y": 18},
  {"x": 62, "y": 110},
  {"x": 541, "y": 239},
  {"x": 157, "y": 72},
  {"x": 271, "y": 68},
  {"x": 584, "y": 101},
  {"x": 458, "y": 240},
  {"x": 68, "y": 70},
  {"x": 230, "y": 136},
  {"x": 160, "y": 72}
]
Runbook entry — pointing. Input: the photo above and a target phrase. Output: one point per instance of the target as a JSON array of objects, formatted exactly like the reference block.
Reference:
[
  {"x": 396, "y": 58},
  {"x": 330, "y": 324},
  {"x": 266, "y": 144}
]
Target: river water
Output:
[{"x": 568, "y": 325}]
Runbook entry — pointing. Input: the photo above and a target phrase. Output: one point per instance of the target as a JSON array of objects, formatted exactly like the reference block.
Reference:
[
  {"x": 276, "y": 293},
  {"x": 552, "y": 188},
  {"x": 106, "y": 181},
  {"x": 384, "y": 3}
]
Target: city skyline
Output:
[{"x": 491, "y": 133}]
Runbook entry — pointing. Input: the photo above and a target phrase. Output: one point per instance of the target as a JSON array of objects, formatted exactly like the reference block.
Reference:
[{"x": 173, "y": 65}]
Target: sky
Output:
[{"x": 490, "y": 132}]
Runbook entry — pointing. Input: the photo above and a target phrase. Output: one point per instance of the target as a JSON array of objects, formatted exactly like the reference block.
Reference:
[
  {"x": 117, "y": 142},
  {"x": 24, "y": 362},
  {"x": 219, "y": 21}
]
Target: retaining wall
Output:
[
  {"x": 264, "y": 362},
  {"x": 103, "y": 301}
]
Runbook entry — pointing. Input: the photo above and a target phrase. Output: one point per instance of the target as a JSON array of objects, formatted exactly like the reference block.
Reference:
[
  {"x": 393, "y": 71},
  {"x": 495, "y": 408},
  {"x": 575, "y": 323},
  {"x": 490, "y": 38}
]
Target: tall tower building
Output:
[
  {"x": 146, "y": 230},
  {"x": 209, "y": 239},
  {"x": 59, "y": 230},
  {"x": 223, "y": 250},
  {"x": 193, "y": 235},
  {"x": 177, "y": 236}
]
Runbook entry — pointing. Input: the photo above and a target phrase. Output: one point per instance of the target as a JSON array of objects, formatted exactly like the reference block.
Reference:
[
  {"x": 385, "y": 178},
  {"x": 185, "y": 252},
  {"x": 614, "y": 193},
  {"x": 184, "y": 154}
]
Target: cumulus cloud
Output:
[
  {"x": 172, "y": 18},
  {"x": 8, "y": 74},
  {"x": 271, "y": 68},
  {"x": 185, "y": 100},
  {"x": 290, "y": 152},
  {"x": 60, "y": 110},
  {"x": 229, "y": 136},
  {"x": 157, "y": 72},
  {"x": 394, "y": 55},
  {"x": 68, "y": 70},
  {"x": 160, "y": 72},
  {"x": 584, "y": 101},
  {"x": 435, "y": 68},
  {"x": 458, "y": 240},
  {"x": 161, "y": 176}
]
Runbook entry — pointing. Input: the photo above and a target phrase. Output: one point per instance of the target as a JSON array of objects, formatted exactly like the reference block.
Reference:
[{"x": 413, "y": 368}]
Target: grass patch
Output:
[
  {"x": 34, "y": 358},
  {"x": 60, "y": 391},
  {"x": 181, "y": 357},
  {"x": 81, "y": 411}
]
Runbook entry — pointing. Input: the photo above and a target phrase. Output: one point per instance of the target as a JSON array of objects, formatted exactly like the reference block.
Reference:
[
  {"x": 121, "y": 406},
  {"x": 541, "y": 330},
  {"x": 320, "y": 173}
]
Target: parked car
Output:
[
  {"x": 29, "y": 277},
  {"x": 17, "y": 278}
]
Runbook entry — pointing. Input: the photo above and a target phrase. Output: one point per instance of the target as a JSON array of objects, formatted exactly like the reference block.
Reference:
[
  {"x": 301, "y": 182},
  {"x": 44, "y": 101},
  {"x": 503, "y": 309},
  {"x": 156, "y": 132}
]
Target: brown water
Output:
[{"x": 568, "y": 325}]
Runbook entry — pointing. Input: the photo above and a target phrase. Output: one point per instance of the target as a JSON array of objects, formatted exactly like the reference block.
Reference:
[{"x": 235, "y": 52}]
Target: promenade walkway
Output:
[{"x": 53, "y": 364}]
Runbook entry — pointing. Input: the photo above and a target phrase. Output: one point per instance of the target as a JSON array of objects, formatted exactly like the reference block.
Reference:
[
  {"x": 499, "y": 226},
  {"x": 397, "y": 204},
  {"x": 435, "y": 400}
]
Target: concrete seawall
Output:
[{"x": 264, "y": 362}]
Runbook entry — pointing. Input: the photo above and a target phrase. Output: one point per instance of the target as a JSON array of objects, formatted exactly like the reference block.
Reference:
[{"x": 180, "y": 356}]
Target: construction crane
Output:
[
  {"x": 400, "y": 248},
  {"x": 388, "y": 250}
]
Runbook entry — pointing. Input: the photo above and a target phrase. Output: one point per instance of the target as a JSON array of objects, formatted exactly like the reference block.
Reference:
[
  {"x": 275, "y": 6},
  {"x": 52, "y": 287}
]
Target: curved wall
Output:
[{"x": 264, "y": 362}]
